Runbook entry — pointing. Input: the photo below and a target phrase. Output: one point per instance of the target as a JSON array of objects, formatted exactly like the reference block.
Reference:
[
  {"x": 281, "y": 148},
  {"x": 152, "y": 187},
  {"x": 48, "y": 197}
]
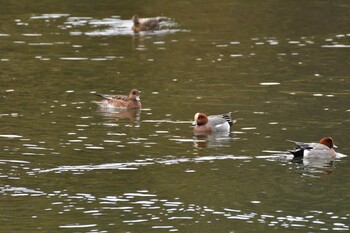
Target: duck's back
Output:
[
  {"x": 118, "y": 101},
  {"x": 114, "y": 97},
  {"x": 319, "y": 151},
  {"x": 149, "y": 23},
  {"x": 220, "y": 122}
]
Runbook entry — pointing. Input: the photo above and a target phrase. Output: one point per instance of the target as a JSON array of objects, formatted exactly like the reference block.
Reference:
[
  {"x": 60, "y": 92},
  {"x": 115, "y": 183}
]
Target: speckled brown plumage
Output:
[
  {"x": 146, "y": 24},
  {"x": 121, "y": 101}
]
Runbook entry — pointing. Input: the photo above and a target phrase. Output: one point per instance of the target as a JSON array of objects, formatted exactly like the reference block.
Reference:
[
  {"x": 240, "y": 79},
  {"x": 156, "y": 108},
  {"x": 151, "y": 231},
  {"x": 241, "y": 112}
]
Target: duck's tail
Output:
[
  {"x": 227, "y": 117},
  {"x": 298, "y": 153},
  {"x": 162, "y": 18}
]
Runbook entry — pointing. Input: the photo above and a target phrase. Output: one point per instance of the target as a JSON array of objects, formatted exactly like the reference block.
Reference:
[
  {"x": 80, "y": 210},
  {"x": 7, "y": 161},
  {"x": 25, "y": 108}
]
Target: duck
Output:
[
  {"x": 146, "y": 24},
  {"x": 323, "y": 149},
  {"x": 214, "y": 123},
  {"x": 132, "y": 101}
]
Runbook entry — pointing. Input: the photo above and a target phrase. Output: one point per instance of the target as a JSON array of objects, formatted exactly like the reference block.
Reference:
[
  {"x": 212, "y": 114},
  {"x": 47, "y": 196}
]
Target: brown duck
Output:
[
  {"x": 121, "y": 101},
  {"x": 146, "y": 24}
]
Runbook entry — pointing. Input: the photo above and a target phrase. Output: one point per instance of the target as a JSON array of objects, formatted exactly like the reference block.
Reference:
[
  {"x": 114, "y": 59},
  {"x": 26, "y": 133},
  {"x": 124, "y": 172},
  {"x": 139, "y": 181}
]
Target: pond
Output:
[{"x": 280, "y": 67}]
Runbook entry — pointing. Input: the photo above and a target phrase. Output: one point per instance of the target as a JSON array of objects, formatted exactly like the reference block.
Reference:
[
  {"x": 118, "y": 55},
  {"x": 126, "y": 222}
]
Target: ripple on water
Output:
[
  {"x": 139, "y": 207},
  {"x": 74, "y": 58},
  {"x": 269, "y": 83},
  {"x": 142, "y": 209},
  {"x": 49, "y": 16},
  {"x": 10, "y": 136},
  {"x": 20, "y": 191},
  {"x": 75, "y": 226},
  {"x": 336, "y": 46}
]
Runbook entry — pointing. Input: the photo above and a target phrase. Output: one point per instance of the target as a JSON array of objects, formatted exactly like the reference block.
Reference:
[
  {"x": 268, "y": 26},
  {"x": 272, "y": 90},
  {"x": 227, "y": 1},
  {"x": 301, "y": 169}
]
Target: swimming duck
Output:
[
  {"x": 323, "y": 149},
  {"x": 146, "y": 24},
  {"x": 132, "y": 101},
  {"x": 214, "y": 123}
]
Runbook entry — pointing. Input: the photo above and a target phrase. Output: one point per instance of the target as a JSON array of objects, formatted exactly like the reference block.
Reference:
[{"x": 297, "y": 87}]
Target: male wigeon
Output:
[
  {"x": 215, "y": 123},
  {"x": 323, "y": 149},
  {"x": 132, "y": 101},
  {"x": 146, "y": 24}
]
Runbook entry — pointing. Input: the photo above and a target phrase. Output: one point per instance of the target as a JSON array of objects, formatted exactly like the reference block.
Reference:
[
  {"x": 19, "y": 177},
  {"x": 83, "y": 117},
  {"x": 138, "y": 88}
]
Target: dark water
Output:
[{"x": 281, "y": 67}]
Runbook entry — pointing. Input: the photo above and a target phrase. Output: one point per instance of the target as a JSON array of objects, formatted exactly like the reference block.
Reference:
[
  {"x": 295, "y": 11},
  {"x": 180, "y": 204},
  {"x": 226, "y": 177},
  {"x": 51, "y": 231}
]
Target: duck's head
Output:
[
  {"x": 136, "y": 20},
  {"x": 135, "y": 94},
  {"x": 328, "y": 141},
  {"x": 200, "y": 119}
]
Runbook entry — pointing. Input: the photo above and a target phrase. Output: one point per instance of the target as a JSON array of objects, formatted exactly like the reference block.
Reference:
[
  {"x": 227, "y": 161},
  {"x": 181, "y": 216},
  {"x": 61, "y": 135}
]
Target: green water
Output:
[{"x": 281, "y": 67}]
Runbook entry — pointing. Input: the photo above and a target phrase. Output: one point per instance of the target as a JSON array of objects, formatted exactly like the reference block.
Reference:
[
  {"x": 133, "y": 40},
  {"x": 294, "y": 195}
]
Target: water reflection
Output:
[
  {"x": 314, "y": 167},
  {"x": 137, "y": 207},
  {"x": 203, "y": 139},
  {"x": 319, "y": 162},
  {"x": 134, "y": 115}
]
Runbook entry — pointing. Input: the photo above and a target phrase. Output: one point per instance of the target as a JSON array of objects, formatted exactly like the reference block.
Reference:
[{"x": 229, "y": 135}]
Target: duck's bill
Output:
[
  {"x": 194, "y": 123},
  {"x": 335, "y": 146},
  {"x": 138, "y": 98}
]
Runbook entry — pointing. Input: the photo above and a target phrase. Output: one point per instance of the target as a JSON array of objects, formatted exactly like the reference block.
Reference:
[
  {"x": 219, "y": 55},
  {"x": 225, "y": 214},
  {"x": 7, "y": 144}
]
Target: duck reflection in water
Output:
[
  {"x": 204, "y": 140},
  {"x": 134, "y": 115},
  {"x": 315, "y": 166}
]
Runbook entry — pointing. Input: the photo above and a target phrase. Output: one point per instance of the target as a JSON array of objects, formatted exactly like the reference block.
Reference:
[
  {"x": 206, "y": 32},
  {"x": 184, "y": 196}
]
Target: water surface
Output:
[{"x": 68, "y": 166}]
